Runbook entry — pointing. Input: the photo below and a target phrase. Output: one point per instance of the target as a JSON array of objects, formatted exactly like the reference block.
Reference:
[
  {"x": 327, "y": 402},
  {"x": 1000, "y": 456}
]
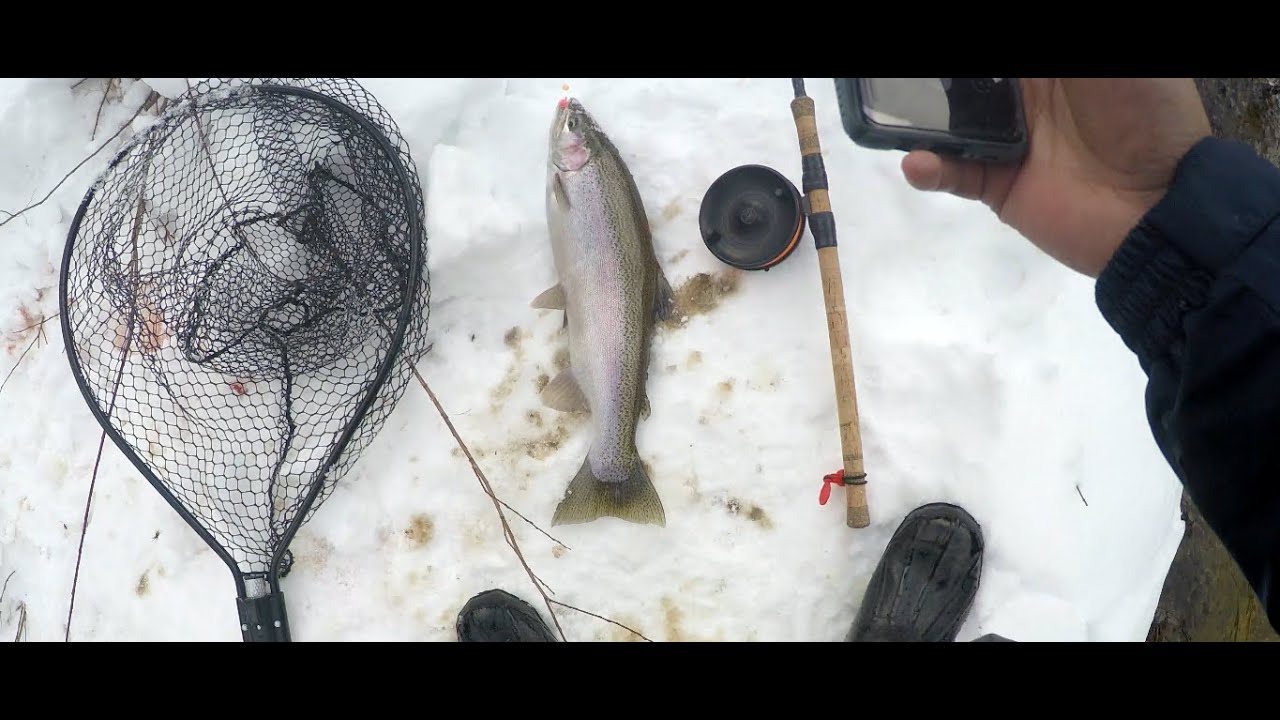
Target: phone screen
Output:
[{"x": 974, "y": 108}]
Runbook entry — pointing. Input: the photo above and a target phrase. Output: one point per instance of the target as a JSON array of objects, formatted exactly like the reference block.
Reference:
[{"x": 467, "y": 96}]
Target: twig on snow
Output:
[
  {"x": 151, "y": 99},
  {"x": 534, "y": 525},
  {"x": 599, "y": 617},
  {"x": 102, "y": 441},
  {"x": 30, "y": 345},
  {"x": 506, "y": 528},
  {"x": 98, "y": 116},
  {"x": 84, "y": 525},
  {"x": 497, "y": 505},
  {"x": 22, "y": 621},
  {"x": 35, "y": 340},
  {"x": 19, "y": 331}
]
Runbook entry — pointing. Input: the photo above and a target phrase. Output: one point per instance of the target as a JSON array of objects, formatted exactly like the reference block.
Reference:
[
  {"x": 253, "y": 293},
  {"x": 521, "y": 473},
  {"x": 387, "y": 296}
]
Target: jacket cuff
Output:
[{"x": 1222, "y": 196}]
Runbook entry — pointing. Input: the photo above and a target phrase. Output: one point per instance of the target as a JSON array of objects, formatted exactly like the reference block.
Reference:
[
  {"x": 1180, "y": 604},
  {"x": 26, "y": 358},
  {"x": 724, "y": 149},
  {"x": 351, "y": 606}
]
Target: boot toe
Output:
[
  {"x": 926, "y": 580},
  {"x": 499, "y": 616}
]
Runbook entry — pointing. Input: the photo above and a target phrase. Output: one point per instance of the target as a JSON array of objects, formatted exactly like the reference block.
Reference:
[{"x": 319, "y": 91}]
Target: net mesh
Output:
[{"x": 245, "y": 291}]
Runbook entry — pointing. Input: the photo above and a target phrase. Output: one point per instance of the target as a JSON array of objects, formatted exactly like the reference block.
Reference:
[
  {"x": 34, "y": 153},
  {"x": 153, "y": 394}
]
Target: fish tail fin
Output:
[{"x": 589, "y": 498}]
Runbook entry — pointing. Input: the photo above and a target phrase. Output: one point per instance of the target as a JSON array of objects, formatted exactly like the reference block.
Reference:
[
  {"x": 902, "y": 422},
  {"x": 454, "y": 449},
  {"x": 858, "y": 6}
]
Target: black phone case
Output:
[{"x": 871, "y": 135}]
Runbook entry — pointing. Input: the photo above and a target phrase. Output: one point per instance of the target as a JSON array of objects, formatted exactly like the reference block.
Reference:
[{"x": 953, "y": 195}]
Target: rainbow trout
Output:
[{"x": 612, "y": 290}]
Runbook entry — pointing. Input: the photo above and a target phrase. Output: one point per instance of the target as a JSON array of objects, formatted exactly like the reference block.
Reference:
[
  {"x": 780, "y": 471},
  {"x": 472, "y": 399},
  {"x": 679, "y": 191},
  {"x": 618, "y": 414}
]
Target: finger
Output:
[
  {"x": 923, "y": 170},
  {"x": 933, "y": 173}
]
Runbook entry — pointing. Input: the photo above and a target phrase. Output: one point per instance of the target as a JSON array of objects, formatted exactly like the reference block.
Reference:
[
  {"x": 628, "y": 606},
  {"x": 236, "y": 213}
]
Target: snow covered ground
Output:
[{"x": 985, "y": 376}]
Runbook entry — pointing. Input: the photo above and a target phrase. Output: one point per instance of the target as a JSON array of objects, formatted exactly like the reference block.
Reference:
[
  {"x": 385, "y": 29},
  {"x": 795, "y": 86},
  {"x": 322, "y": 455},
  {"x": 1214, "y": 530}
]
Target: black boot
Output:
[
  {"x": 926, "y": 580},
  {"x": 499, "y": 616}
]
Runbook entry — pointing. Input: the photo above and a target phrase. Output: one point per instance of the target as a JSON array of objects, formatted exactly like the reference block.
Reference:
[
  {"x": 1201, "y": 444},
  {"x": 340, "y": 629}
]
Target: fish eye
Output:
[{"x": 573, "y": 123}]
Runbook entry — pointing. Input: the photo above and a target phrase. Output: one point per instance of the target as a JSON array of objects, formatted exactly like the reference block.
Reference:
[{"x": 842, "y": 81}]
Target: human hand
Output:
[{"x": 1101, "y": 152}]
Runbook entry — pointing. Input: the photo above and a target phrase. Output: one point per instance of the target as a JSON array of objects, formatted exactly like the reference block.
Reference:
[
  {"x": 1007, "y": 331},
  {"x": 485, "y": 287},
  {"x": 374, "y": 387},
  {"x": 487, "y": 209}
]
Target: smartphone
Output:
[{"x": 971, "y": 118}]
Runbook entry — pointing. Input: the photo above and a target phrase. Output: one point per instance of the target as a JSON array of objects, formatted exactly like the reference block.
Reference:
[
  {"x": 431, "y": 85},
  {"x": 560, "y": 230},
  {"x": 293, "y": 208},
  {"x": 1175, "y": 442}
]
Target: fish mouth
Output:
[
  {"x": 565, "y": 109},
  {"x": 569, "y": 151}
]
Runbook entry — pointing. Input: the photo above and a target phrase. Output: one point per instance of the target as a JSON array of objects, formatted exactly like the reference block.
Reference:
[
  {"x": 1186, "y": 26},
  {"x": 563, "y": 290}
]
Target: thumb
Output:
[{"x": 931, "y": 172}]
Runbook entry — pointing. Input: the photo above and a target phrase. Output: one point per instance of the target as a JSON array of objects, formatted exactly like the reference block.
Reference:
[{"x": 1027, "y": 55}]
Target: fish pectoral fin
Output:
[
  {"x": 664, "y": 305},
  {"x": 564, "y": 394},
  {"x": 644, "y": 403},
  {"x": 550, "y": 299},
  {"x": 562, "y": 197}
]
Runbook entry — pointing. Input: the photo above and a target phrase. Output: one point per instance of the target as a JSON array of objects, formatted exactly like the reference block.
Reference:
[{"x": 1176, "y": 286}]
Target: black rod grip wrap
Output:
[
  {"x": 823, "y": 227},
  {"x": 814, "y": 173}
]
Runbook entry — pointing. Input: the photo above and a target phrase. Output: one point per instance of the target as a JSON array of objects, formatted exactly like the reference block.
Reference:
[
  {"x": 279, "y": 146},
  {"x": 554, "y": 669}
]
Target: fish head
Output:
[{"x": 574, "y": 136}]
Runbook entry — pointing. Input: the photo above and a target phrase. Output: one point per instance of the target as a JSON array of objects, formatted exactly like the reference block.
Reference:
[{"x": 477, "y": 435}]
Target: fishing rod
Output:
[{"x": 822, "y": 225}]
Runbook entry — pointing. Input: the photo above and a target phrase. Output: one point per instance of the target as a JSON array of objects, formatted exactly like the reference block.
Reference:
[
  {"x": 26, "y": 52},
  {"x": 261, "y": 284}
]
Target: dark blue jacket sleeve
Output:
[{"x": 1194, "y": 291}]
